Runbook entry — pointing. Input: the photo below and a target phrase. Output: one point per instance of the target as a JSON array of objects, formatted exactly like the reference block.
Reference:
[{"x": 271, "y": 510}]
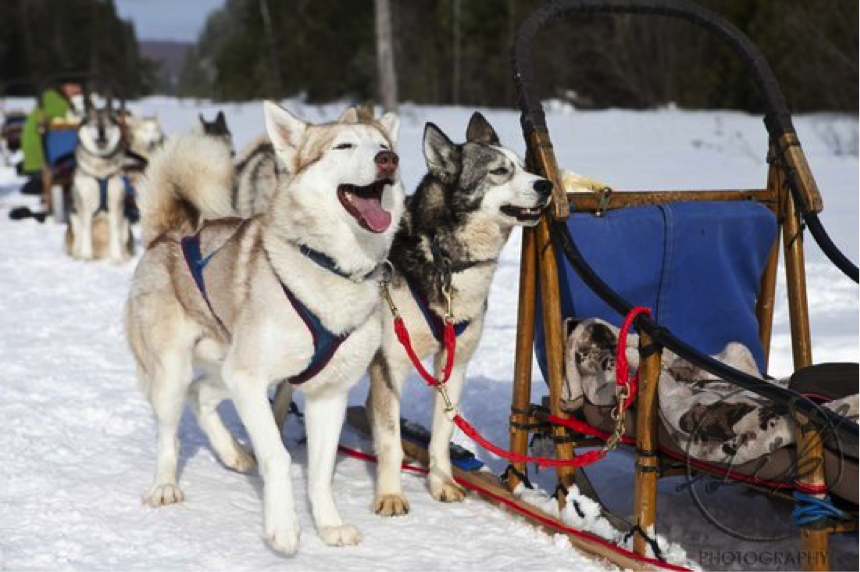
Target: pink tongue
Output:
[{"x": 375, "y": 217}]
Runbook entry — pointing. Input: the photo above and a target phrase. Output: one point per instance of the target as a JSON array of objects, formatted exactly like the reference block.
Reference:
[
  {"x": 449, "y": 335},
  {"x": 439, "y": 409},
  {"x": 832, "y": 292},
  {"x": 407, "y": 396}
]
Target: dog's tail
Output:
[{"x": 189, "y": 180}]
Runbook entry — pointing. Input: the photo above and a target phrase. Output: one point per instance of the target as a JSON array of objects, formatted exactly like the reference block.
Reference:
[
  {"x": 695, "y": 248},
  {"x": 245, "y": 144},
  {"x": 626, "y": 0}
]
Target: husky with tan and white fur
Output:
[
  {"x": 453, "y": 232},
  {"x": 289, "y": 296}
]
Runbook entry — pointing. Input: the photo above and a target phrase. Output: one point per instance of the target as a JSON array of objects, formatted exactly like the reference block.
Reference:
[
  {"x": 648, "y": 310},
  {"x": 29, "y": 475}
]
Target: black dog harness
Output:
[
  {"x": 434, "y": 321},
  {"x": 326, "y": 343}
]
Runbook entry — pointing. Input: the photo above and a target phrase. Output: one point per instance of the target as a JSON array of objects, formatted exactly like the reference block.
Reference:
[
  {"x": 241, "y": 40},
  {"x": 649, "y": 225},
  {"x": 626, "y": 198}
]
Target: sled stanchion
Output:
[
  {"x": 647, "y": 462},
  {"x": 543, "y": 161},
  {"x": 551, "y": 310},
  {"x": 521, "y": 398},
  {"x": 809, "y": 443},
  {"x": 765, "y": 302}
]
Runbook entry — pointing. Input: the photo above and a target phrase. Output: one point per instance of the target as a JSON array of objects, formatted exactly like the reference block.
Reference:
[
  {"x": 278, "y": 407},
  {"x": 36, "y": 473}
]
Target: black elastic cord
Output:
[
  {"x": 830, "y": 250},
  {"x": 294, "y": 409},
  {"x": 649, "y": 350},
  {"x": 652, "y": 542},
  {"x": 521, "y": 475}
]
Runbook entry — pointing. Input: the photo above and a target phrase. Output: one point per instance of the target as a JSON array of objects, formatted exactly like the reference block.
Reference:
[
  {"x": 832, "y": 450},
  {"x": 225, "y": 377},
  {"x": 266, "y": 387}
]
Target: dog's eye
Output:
[
  {"x": 344, "y": 146},
  {"x": 499, "y": 171}
]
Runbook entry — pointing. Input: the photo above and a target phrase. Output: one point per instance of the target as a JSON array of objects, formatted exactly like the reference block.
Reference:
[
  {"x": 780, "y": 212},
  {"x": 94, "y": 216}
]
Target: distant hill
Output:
[{"x": 169, "y": 57}]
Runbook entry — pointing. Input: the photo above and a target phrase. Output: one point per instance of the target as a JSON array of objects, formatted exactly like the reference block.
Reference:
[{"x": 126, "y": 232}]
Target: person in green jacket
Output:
[{"x": 54, "y": 103}]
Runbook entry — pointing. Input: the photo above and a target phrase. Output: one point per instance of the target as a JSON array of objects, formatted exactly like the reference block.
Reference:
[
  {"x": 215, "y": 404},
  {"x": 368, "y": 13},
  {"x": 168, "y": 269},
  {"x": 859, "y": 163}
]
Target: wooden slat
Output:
[{"x": 618, "y": 199}]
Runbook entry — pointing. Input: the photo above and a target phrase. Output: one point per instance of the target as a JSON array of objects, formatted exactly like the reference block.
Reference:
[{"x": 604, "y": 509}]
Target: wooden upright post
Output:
[
  {"x": 810, "y": 449},
  {"x": 521, "y": 400},
  {"x": 554, "y": 336},
  {"x": 647, "y": 462}
]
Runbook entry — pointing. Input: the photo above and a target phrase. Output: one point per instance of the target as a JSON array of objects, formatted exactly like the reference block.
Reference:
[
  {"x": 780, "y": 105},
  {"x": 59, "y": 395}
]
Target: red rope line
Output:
[
  {"x": 587, "y": 458},
  {"x": 622, "y": 368},
  {"x": 549, "y": 522},
  {"x": 449, "y": 340}
]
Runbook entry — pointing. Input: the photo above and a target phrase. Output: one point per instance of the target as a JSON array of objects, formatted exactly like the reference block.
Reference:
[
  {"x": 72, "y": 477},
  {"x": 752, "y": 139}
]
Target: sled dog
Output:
[
  {"x": 290, "y": 296},
  {"x": 145, "y": 135},
  {"x": 216, "y": 128},
  {"x": 454, "y": 229},
  {"x": 98, "y": 226}
]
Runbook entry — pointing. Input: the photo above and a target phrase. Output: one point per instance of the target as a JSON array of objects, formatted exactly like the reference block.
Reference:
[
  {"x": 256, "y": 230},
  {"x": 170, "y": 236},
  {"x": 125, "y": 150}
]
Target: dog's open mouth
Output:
[
  {"x": 365, "y": 204},
  {"x": 522, "y": 214}
]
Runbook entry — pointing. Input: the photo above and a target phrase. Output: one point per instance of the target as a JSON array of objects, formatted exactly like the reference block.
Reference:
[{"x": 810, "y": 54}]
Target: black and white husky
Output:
[
  {"x": 98, "y": 227},
  {"x": 457, "y": 221}
]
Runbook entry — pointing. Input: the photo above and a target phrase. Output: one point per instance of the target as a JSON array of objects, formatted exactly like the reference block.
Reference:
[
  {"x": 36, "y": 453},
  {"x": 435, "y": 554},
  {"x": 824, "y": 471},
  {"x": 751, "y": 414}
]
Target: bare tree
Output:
[
  {"x": 275, "y": 70},
  {"x": 385, "y": 56}
]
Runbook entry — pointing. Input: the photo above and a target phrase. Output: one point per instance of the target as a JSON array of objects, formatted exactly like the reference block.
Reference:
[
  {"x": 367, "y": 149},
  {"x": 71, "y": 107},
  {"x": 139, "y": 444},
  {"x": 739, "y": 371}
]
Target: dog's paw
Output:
[
  {"x": 283, "y": 538},
  {"x": 391, "y": 505},
  {"x": 446, "y": 491},
  {"x": 343, "y": 535},
  {"x": 241, "y": 461},
  {"x": 163, "y": 495}
]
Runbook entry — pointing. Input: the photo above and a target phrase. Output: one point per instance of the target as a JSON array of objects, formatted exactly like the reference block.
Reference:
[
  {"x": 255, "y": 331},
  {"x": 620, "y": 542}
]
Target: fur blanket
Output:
[{"x": 710, "y": 419}]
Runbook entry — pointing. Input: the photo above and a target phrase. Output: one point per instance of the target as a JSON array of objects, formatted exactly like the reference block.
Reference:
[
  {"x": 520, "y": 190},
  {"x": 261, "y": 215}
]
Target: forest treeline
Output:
[
  {"x": 457, "y": 51},
  {"x": 449, "y": 52},
  {"x": 42, "y": 38}
]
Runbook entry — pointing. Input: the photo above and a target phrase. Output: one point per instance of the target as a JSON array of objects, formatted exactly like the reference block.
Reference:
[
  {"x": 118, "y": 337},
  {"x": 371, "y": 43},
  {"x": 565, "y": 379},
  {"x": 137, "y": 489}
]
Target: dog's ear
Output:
[
  {"x": 202, "y": 121},
  {"x": 366, "y": 113},
  {"x": 391, "y": 122},
  {"x": 221, "y": 122},
  {"x": 441, "y": 154},
  {"x": 480, "y": 130},
  {"x": 349, "y": 115},
  {"x": 284, "y": 129}
]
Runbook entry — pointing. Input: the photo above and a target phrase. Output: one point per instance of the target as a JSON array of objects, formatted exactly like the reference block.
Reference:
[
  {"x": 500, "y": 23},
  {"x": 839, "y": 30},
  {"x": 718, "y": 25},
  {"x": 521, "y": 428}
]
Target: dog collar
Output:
[
  {"x": 325, "y": 261},
  {"x": 446, "y": 267}
]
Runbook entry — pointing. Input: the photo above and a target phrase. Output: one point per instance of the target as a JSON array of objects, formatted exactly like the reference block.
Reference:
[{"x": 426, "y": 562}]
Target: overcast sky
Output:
[{"x": 167, "y": 19}]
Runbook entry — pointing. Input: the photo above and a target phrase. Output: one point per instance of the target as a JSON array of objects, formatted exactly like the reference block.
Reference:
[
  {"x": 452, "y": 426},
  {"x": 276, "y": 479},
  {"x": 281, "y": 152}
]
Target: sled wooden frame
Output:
[{"x": 790, "y": 191}]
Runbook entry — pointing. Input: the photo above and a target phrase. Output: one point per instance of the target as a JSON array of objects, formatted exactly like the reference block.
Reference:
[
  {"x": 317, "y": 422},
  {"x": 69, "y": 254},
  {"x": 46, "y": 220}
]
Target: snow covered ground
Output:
[{"x": 78, "y": 441}]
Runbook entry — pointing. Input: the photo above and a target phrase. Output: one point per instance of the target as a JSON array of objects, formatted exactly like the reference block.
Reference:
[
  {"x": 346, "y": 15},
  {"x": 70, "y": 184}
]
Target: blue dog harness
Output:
[
  {"x": 326, "y": 343},
  {"x": 103, "y": 192}
]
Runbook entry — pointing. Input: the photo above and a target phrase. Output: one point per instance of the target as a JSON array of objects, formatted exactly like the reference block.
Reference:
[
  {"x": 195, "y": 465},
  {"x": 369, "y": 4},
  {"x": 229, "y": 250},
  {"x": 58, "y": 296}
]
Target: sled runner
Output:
[
  {"x": 468, "y": 473},
  {"x": 705, "y": 263}
]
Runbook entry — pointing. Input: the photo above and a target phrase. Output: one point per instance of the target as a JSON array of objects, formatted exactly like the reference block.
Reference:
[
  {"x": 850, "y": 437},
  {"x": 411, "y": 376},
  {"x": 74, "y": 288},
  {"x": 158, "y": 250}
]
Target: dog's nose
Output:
[
  {"x": 386, "y": 162},
  {"x": 543, "y": 187}
]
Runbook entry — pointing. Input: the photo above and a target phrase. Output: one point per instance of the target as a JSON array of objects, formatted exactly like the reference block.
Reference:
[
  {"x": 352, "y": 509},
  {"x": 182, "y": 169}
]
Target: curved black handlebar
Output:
[{"x": 777, "y": 117}]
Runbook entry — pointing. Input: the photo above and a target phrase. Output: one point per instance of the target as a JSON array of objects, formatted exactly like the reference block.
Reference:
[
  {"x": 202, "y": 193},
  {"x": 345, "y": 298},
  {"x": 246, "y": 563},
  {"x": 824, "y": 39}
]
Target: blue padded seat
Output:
[
  {"x": 696, "y": 264},
  {"x": 60, "y": 146}
]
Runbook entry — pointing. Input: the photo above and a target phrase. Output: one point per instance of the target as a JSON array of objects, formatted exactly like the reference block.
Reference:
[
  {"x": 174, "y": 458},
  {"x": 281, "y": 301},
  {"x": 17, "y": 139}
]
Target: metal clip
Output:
[
  {"x": 603, "y": 205},
  {"x": 449, "y": 406},
  {"x": 386, "y": 293}
]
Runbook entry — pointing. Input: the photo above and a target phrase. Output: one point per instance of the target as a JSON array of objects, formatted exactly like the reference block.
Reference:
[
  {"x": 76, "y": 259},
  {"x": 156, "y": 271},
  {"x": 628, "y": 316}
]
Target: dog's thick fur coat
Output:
[
  {"x": 172, "y": 330},
  {"x": 471, "y": 198}
]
